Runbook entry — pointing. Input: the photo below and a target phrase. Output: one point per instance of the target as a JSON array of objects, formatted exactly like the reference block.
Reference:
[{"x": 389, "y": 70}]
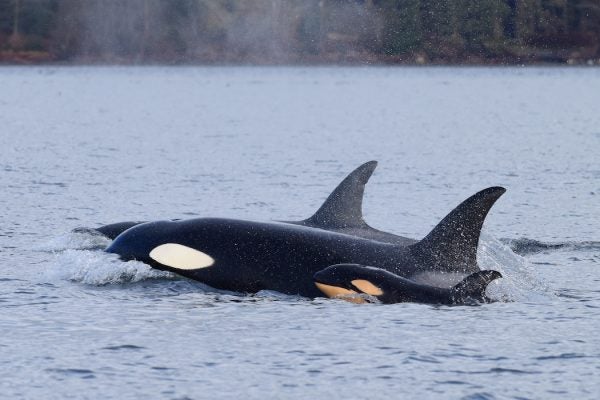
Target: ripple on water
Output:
[
  {"x": 563, "y": 356},
  {"x": 182, "y": 153},
  {"x": 72, "y": 372},
  {"x": 479, "y": 396},
  {"x": 126, "y": 347}
]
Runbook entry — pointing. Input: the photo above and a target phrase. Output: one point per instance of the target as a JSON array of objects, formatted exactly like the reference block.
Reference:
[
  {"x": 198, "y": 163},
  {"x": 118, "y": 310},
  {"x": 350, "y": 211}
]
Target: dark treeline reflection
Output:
[{"x": 300, "y": 31}]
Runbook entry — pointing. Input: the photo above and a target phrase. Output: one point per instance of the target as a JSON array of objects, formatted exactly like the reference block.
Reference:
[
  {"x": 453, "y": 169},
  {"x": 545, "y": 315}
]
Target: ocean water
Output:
[{"x": 89, "y": 146}]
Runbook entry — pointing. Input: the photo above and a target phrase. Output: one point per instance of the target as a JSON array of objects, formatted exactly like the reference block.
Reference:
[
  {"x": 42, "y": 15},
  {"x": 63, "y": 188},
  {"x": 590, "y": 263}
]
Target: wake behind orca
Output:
[{"x": 247, "y": 256}]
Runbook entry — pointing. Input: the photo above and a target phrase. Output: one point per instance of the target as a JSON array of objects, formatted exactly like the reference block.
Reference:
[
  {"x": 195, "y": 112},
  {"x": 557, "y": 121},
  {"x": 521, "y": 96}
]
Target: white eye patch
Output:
[{"x": 181, "y": 257}]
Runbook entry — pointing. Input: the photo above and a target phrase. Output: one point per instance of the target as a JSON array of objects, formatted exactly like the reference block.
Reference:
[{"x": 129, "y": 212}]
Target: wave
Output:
[
  {"x": 520, "y": 281},
  {"x": 78, "y": 239},
  {"x": 526, "y": 246},
  {"x": 100, "y": 268},
  {"x": 77, "y": 258}
]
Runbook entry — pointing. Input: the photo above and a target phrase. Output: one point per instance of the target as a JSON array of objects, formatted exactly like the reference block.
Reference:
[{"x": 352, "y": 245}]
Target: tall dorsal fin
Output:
[
  {"x": 452, "y": 245},
  {"x": 343, "y": 207}
]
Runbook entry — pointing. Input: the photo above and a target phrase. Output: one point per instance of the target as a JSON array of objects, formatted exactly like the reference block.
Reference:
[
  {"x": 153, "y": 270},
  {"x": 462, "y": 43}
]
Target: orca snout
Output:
[
  {"x": 137, "y": 242},
  {"x": 126, "y": 252}
]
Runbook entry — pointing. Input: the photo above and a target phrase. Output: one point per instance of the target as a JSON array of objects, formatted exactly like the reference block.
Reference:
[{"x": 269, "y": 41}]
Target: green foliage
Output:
[
  {"x": 27, "y": 22},
  {"x": 309, "y": 28},
  {"x": 401, "y": 26},
  {"x": 238, "y": 30},
  {"x": 37, "y": 17},
  {"x": 6, "y": 16},
  {"x": 438, "y": 17},
  {"x": 480, "y": 20}
]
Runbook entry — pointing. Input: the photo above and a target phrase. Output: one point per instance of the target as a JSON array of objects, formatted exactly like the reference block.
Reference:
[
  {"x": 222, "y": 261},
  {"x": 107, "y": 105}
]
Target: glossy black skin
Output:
[
  {"x": 111, "y": 231},
  {"x": 341, "y": 212},
  {"x": 397, "y": 289},
  {"x": 252, "y": 256}
]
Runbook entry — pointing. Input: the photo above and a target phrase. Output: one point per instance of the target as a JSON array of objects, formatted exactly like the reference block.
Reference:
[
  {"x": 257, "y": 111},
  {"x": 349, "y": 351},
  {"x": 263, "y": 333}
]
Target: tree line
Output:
[{"x": 300, "y": 31}]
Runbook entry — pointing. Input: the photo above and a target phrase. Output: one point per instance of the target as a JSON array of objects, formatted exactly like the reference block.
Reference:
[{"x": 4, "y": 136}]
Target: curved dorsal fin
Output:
[
  {"x": 452, "y": 245},
  {"x": 343, "y": 207},
  {"x": 473, "y": 286}
]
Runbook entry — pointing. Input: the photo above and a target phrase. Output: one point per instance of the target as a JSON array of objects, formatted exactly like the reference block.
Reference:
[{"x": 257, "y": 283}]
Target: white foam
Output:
[
  {"x": 82, "y": 240},
  {"x": 78, "y": 258},
  {"x": 520, "y": 281},
  {"x": 99, "y": 268}
]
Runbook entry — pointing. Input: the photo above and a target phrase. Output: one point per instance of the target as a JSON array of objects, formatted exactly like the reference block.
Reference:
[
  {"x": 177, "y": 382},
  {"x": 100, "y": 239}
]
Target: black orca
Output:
[
  {"x": 350, "y": 281},
  {"x": 341, "y": 212},
  {"x": 111, "y": 231},
  {"x": 248, "y": 256}
]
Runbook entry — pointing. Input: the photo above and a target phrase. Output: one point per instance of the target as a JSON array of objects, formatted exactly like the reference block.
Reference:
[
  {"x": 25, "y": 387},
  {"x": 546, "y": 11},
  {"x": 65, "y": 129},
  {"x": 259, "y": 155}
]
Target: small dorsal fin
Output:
[
  {"x": 452, "y": 245},
  {"x": 343, "y": 207},
  {"x": 473, "y": 286}
]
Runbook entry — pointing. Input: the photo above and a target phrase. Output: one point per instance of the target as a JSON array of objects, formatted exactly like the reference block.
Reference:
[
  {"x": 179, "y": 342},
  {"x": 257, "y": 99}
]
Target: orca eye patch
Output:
[
  {"x": 179, "y": 256},
  {"x": 367, "y": 287}
]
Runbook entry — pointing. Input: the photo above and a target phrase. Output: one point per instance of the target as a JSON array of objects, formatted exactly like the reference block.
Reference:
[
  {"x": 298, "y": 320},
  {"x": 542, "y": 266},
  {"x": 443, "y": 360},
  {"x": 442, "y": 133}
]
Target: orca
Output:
[
  {"x": 247, "y": 256},
  {"x": 358, "y": 283},
  {"x": 341, "y": 212},
  {"x": 111, "y": 231}
]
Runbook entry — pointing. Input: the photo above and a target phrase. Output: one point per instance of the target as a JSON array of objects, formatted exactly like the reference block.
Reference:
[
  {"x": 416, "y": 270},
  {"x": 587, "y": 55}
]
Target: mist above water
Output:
[
  {"x": 292, "y": 32},
  {"x": 258, "y": 31}
]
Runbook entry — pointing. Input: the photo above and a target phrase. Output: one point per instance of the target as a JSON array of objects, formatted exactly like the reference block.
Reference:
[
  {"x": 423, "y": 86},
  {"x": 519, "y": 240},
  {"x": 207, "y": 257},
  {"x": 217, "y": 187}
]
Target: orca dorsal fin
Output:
[
  {"x": 343, "y": 207},
  {"x": 452, "y": 245},
  {"x": 473, "y": 286}
]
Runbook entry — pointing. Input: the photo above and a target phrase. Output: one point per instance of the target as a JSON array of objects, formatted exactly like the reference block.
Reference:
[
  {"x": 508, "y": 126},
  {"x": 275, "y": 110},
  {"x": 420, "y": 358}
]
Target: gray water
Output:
[{"x": 89, "y": 146}]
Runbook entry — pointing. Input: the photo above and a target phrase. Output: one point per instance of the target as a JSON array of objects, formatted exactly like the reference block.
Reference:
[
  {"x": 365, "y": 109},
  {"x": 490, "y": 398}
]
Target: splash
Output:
[
  {"x": 77, "y": 259},
  {"x": 100, "y": 268},
  {"x": 79, "y": 239},
  {"x": 520, "y": 282}
]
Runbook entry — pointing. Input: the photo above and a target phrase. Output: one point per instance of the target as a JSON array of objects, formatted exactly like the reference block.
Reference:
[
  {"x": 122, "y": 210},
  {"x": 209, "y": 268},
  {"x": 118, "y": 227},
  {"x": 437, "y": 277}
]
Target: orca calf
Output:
[
  {"x": 248, "y": 256},
  {"x": 350, "y": 281}
]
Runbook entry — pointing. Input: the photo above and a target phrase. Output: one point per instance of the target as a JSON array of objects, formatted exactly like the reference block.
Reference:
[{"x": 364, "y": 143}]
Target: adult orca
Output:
[
  {"x": 111, "y": 231},
  {"x": 341, "y": 212},
  {"x": 352, "y": 282},
  {"x": 248, "y": 256}
]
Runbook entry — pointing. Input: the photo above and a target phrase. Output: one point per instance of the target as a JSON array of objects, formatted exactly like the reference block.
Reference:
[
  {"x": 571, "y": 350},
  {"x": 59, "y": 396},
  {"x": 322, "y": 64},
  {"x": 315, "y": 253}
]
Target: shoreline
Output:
[{"x": 27, "y": 58}]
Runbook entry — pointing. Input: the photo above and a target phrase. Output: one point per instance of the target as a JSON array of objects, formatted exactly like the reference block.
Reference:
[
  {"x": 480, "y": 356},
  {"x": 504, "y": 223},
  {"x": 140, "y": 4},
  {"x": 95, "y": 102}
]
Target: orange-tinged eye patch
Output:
[{"x": 340, "y": 293}]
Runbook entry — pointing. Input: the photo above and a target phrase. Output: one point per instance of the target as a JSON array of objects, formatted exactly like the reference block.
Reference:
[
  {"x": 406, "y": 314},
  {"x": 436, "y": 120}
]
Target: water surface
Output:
[{"x": 88, "y": 146}]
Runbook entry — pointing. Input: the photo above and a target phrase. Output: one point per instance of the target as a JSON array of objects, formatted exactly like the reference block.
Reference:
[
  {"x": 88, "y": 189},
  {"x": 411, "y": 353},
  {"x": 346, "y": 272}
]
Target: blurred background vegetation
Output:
[{"x": 300, "y": 31}]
